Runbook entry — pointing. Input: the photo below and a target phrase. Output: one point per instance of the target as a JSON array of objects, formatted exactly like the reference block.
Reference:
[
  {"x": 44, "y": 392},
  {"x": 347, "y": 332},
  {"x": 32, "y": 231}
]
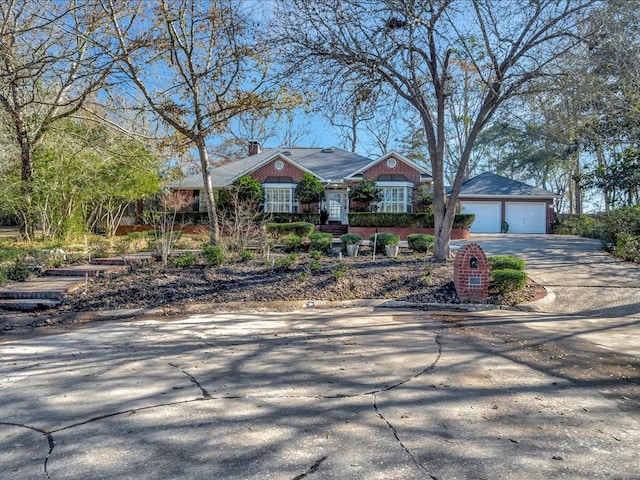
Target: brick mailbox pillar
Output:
[{"x": 471, "y": 274}]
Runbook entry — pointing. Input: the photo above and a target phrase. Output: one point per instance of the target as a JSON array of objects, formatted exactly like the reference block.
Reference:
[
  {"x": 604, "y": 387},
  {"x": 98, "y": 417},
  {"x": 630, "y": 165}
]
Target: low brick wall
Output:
[{"x": 365, "y": 232}]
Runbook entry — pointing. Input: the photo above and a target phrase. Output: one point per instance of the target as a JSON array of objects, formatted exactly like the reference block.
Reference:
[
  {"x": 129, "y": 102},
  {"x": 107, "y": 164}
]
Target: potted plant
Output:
[
  {"x": 387, "y": 242},
  {"x": 351, "y": 241}
]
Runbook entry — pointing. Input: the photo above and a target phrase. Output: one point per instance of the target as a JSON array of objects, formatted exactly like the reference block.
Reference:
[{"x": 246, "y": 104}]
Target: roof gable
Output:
[
  {"x": 392, "y": 154},
  {"x": 492, "y": 185}
]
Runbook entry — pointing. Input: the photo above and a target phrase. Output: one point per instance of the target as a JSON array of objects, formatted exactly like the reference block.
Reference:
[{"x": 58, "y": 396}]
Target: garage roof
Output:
[{"x": 492, "y": 185}]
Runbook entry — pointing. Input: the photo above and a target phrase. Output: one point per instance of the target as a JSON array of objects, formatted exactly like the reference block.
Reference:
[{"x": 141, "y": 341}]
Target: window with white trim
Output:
[
  {"x": 397, "y": 197},
  {"x": 280, "y": 198}
]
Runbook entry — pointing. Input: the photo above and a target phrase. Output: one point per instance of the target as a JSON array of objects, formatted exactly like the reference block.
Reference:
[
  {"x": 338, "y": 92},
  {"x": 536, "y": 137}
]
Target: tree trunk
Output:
[
  {"x": 214, "y": 229},
  {"x": 26, "y": 159}
]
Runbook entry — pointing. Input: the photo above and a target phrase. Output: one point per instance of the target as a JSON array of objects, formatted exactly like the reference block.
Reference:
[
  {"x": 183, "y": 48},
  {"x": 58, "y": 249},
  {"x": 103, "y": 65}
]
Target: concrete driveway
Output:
[
  {"x": 360, "y": 393},
  {"x": 584, "y": 279}
]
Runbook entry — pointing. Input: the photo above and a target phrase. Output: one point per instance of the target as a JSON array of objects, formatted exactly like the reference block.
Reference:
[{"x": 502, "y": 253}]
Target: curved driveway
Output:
[{"x": 584, "y": 279}]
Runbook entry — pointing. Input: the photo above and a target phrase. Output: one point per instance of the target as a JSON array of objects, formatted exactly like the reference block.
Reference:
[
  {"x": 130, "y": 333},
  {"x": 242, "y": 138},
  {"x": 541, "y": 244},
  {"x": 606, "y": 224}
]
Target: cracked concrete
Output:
[{"x": 345, "y": 394}]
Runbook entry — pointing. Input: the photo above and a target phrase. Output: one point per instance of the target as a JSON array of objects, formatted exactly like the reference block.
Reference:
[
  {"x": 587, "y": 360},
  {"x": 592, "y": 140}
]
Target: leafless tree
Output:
[
  {"x": 425, "y": 50},
  {"x": 197, "y": 66},
  {"x": 50, "y": 65}
]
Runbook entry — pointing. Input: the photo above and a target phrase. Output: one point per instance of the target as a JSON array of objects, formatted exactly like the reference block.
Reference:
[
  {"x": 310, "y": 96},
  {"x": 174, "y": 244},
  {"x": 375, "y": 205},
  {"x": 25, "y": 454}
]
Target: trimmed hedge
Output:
[
  {"x": 313, "y": 218},
  {"x": 509, "y": 280},
  {"x": 320, "y": 242},
  {"x": 404, "y": 220},
  {"x": 506, "y": 262},
  {"x": 420, "y": 242},
  {"x": 302, "y": 229},
  {"x": 382, "y": 239}
]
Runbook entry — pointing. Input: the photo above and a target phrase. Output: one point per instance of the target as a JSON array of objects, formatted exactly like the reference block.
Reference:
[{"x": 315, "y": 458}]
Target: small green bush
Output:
[
  {"x": 284, "y": 263},
  {"x": 508, "y": 280},
  {"x": 383, "y": 239},
  {"x": 320, "y": 241},
  {"x": 302, "y": 229},
  {"x": 350, "y": 238},
  {"x": 420, "y": 242},
  {"x": 291, "y": 243},
  {"x": 185, "y": 260},
  {"x": 506, "y": 262},
  {"x": 315, "y": 254},
  {"x": 214, "y": 254},
  {"x": 3, "y": 276},
  {"x": 339, "y": 270},
  {"x": 314, "y": 266},
  {"x": 18, "y": 270},
  {"x": 247, "y": 255}
]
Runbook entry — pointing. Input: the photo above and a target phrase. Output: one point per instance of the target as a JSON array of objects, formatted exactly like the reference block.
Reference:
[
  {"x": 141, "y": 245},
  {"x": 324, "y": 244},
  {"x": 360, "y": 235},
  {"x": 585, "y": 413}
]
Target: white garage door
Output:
[
  {"x": 524, "y": 217},
  {"x": 487, "y": 216}
]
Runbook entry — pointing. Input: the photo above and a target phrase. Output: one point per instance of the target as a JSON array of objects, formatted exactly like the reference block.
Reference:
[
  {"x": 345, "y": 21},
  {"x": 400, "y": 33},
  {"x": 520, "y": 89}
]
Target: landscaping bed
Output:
[{"x": 281, "y": 278}]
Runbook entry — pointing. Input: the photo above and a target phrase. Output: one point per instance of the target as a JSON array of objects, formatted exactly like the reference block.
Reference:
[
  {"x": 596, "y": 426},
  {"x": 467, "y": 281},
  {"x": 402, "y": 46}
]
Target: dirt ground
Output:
[{"x": 409, "y": 277}]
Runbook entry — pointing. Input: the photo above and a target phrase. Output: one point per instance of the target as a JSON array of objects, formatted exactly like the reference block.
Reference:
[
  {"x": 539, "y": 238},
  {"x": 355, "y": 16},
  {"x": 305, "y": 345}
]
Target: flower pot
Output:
[
  {"x": 352, "y": 249},
  {"x": 391, "y": 250}
]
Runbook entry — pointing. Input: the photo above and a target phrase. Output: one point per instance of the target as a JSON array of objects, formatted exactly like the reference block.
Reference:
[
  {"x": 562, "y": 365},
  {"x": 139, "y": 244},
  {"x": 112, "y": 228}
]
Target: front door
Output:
[{"x": 335, "y": 208}]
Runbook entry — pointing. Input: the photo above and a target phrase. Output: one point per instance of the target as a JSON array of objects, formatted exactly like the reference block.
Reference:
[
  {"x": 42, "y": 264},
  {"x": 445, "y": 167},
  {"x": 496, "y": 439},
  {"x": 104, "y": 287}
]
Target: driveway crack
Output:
[
  {"x": 205, "y": 393},
  {"x": 47, "y": 435},
  {"x": 396, "y": 385}
]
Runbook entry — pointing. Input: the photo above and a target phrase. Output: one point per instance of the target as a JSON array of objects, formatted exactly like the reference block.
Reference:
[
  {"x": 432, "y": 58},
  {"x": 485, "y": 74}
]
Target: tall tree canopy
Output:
[
  {"x": 453, "y": 61},
  {"x": 197, "y": 65},
  {"x": 50, "y": 64}
]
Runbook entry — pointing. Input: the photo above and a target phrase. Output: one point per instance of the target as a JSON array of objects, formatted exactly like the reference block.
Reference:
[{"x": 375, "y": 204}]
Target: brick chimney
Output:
[{"x": 254, "y": 147}]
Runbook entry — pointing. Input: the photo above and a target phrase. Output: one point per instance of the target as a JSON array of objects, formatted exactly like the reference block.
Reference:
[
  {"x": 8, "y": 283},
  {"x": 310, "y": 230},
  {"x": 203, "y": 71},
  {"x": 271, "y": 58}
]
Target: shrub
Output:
[
  {"x": 339, "y": 270},
  {"x": 420, "y": 242},
  {"x": 185, "y": 260},
  {"x": 314, "y": 266},
  {"x": 320, "y": 241},
  {"x": 214, "y": 254},
  {"x": 350, "y": 238},
  {"x": 627, "y": 247},
  {"x": 18, "y": 270},
  {"x": 246, "y": 255},
  {"x": 284, "y": 263},
  {"x": 506, "y": 262},
  {"x": 508, "y": 280},
  {"x": 302, "y": 229},
  {"x": 3, "y": 276},
  {"x": 315, "y": 254},
  {"x": 405, "y": 220},
  {"x": 622, "y": 220},
  {"x": 291, "y": 243},
  {"x": 383, "y": 239}
]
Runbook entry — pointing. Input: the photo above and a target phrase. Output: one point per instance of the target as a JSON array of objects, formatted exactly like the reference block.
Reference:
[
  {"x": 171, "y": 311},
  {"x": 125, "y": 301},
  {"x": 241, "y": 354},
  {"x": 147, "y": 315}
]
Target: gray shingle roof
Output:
[
  {"x": 490, "y": 184},
  {"x": 329, "y": 164}
]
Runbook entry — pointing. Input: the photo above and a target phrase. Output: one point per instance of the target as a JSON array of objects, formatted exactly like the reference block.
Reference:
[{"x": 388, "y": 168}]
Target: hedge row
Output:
[{"x": 404, "y": 220}]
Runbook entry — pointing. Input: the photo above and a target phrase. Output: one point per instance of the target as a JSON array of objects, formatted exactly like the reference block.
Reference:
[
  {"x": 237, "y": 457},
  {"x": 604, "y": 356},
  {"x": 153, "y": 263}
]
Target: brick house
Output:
[{"x": 280, "y": 170}]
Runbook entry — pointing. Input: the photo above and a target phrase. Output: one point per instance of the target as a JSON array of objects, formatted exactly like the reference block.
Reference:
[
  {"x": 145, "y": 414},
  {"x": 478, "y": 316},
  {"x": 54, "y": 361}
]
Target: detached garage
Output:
[{"x": 497, "y": 202}]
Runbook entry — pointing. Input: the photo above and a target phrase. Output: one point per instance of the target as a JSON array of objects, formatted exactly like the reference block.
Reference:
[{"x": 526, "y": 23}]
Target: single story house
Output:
[
  {"x": 501, "y": 204},
  {"x": 492, "y": 198},
  {"x": 280, "y": 170}
]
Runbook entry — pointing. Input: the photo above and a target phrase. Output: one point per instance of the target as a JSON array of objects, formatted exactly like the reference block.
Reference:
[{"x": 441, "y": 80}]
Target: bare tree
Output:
[
  {"x": 425, "y": 50},
  {"x": 197, "y": 67},
  {"x": 49, "y": 66}
]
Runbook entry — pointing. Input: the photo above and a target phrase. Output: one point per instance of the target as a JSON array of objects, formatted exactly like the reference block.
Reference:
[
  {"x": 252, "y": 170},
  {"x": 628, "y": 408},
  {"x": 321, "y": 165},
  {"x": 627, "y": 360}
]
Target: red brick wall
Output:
[
  {"x": 269, "y": 170},
  {"x": 465, "y": 277},
  {"x": 401, "y": 168}
]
